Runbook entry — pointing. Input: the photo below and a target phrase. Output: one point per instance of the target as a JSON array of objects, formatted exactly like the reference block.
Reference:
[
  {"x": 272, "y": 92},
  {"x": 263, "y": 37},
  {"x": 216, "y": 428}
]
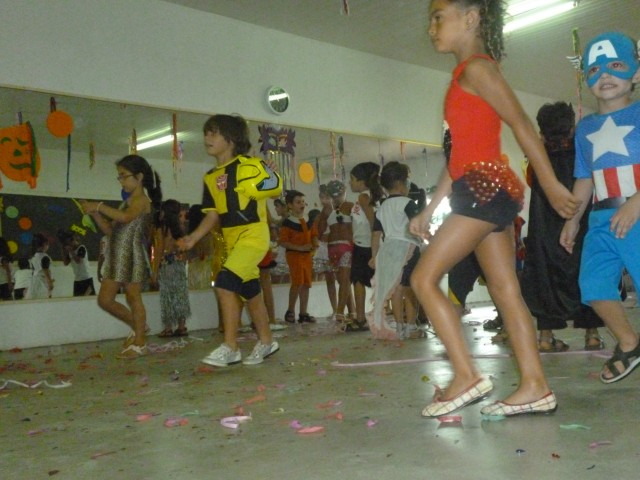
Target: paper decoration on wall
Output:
[
  {"x": 59, "y": 123},
  {"x": 306, "y": 173},
  {"x": 13, "y": 247},
  {"x": 426, "y": 162},
  {"x": 19, "y": 156},
  {"x": 92, "y": 155},
  {"x": 576, "y": 61},
  {"x": 278, "y": 144},
  {"x": 176, "y": 150},
  {"x": 133, "y": 142},
  {"x": 345, "y": 7},
  {"x": 25, "y": 223},
  {"x": 68, "y": 160},
  {"x": 341, "y": 150}
]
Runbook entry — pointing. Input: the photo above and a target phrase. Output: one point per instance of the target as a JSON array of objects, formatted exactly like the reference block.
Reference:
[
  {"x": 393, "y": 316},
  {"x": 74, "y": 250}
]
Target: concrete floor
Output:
[{"x": 370, "y": 415}]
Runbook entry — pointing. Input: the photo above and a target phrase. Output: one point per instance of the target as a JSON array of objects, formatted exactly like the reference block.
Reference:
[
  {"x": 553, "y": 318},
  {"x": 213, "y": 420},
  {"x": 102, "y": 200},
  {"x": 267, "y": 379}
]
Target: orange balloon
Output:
[
  {"x": 59, "y": 124},
  {"x": 306, "y": 172},
  {"x": 25, "y": 223}
]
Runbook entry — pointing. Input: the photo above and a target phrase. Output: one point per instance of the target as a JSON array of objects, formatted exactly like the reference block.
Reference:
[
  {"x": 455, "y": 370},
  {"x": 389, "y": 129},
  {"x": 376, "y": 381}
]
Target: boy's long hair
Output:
[{"x": 233, "y": 128}]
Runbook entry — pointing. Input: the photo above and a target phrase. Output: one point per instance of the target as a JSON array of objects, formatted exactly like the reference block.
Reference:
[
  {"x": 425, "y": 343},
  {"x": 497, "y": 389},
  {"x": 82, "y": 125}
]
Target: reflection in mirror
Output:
[{"x": 81, "y": 165}]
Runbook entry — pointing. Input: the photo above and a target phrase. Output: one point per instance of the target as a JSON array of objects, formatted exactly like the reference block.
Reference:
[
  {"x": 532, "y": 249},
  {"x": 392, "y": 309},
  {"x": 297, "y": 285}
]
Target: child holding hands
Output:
[
  {"x": 235, "y": 197},
  {"x": 486, "y": 196},
  {"x": 129, "y": 231},
  {"x": 607, "y": 166}
]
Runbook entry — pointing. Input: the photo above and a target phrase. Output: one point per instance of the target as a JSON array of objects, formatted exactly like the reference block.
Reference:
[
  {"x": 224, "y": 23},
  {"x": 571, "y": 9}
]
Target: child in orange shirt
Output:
[{"x": 300, "y": 241}]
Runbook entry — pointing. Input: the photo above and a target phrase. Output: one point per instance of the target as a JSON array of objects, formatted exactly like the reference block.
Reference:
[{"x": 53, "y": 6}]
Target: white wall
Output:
[
  {"x": 155, "y": 53},
  {"x": 158, "y": 54}
]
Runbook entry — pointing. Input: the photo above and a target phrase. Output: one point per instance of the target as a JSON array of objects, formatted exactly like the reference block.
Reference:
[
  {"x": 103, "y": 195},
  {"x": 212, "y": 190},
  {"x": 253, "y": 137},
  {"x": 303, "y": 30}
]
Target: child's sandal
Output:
[
  {"x": 593, "y": 346},
  {"x": 132, "y": 351},
  {"x": 180, "y": 332},
  {"x": 630, "y": 360},
  {"x": 290, "y": 317},
  {"x": 166, "y": 333}
]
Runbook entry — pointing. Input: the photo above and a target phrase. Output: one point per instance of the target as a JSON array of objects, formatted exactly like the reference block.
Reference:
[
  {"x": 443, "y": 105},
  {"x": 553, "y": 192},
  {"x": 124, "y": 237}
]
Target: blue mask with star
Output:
[{"x": 607, "y": 48}]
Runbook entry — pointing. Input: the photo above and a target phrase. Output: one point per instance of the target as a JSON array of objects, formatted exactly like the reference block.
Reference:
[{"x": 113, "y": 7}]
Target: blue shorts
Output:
[{"x": 604, "y": 257}]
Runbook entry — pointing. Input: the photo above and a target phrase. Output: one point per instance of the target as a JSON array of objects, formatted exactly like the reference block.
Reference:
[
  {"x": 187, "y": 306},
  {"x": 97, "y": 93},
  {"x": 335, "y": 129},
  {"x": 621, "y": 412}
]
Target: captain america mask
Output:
[{"x": 601, "y": 53}]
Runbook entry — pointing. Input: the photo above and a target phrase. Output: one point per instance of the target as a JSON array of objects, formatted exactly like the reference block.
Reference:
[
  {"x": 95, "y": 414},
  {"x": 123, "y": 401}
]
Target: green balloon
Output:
[{"x": 11, "y": 212}]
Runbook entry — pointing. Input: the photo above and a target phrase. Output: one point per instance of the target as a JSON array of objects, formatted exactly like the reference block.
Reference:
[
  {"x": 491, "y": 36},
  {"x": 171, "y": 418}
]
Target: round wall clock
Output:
[{"x": 278, "y": 100}]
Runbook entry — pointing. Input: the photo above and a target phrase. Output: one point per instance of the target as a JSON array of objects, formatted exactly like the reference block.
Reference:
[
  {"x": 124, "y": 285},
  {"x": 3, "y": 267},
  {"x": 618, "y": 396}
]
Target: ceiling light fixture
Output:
[
  {"x": 155, "y": 142},
  {"x": 527, "y": 12}
]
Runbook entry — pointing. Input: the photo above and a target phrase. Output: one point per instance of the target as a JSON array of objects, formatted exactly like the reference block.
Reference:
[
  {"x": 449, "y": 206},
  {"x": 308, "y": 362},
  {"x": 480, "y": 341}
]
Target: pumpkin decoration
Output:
[{"x": 19, "y": 157}]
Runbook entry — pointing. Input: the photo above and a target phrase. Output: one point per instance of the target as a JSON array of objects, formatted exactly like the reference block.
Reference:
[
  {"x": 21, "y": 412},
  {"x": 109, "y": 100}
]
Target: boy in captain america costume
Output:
[
  {"x": 607, "y": 168},
  {"x": 234, "y": 197}
]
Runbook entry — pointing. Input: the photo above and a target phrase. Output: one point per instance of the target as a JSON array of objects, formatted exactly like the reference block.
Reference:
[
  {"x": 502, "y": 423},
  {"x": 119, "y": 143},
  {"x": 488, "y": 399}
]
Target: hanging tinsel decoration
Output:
[
  {"x": 133, "y": 143},
  {"x": 426, "y": 161},
  {"x": 345, "y": 7},
  {"x": 176, "y": 155},
  {"x": 92, "y": 155},
  {"x": 68, "y": 160},
  {"x": 332, "y": 145},
  {"x": 576, "y": 61},
  {"x": 341, "y": 150}
]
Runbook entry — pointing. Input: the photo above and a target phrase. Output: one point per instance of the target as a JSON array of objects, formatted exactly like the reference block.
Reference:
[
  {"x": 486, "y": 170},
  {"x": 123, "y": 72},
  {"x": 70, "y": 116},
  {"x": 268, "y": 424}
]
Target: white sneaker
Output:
[
  {"x": 222, "y": 356},
  {"x": 260, "y": 352}
]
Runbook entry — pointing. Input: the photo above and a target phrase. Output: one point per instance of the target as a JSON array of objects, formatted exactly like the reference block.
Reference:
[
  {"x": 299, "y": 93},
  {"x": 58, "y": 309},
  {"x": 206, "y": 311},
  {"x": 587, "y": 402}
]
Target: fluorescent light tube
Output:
[
  {"x": 155, "y": 142},
  {"x": 537, "y": 17}
]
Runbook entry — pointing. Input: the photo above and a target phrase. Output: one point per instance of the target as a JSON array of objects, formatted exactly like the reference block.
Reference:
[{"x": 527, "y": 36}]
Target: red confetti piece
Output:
[{"x": 256, "y": 399}]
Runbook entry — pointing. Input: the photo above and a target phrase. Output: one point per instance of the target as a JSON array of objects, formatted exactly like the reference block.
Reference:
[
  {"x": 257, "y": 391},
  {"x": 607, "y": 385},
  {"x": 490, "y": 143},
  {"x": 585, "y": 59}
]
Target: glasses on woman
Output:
[{"x": 120, "y": 178}]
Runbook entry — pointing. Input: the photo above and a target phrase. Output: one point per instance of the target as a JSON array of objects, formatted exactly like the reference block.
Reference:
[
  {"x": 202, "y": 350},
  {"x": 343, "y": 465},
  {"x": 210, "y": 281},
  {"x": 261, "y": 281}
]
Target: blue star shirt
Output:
[{"x": 608, "y": 151}]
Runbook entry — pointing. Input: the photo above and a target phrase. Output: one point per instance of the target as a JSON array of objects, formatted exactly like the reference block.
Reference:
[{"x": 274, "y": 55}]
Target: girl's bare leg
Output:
[
  {"x": 344, "y": 287},
  {"x": 330, "y": 280},
  {"x": 496, "y": 255},
  {"x": 133, "y": 294},
  {"x": 439, "y": 257},
  {"x": 107, "y": 301},
  {"x": 360, "y": 294}
]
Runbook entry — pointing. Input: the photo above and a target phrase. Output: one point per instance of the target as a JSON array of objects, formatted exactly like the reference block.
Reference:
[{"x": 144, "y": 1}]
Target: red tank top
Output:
[{"x": 473, "y": 125}]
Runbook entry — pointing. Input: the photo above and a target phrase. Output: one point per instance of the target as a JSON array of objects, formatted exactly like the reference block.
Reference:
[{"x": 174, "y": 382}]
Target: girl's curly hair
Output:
[{"x": 492, "y": 13}]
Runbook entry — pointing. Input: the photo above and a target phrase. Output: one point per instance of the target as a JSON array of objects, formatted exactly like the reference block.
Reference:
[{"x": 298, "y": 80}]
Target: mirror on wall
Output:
[{"x": 75, "y": 160}]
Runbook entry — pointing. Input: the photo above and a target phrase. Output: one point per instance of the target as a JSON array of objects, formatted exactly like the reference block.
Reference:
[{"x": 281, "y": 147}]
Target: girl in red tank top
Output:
[{"x": 485, "y": 198}]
